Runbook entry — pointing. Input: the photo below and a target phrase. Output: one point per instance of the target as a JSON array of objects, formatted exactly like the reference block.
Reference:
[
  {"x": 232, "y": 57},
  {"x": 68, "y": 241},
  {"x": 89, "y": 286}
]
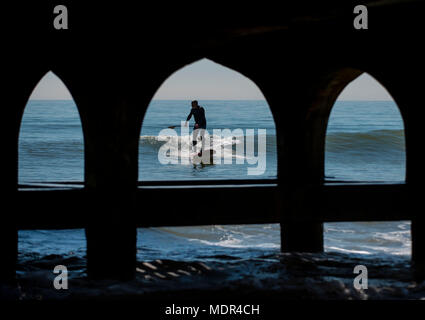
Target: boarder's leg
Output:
[
  {"x": 202, "y": 134},
  {"x": 195, "y": 139}
]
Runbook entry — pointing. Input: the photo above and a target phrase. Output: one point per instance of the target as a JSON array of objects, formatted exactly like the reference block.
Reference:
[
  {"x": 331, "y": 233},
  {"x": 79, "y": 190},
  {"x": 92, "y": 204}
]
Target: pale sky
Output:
[{"x": 207, "y": 80}]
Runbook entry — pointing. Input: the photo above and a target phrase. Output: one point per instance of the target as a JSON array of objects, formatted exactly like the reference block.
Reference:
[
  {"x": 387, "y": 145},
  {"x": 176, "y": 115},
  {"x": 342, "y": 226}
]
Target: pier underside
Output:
[{"x": 301, "y": 57}]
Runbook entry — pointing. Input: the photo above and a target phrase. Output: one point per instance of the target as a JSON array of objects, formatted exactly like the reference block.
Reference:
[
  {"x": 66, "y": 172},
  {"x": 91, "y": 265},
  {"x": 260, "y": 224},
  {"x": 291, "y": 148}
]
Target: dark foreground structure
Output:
[{"x": 113, "y": 58}]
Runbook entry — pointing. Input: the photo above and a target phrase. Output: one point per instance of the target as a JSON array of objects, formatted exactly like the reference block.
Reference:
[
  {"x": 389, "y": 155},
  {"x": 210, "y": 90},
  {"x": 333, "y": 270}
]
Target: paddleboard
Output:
[{"x": 206, "y": 158}]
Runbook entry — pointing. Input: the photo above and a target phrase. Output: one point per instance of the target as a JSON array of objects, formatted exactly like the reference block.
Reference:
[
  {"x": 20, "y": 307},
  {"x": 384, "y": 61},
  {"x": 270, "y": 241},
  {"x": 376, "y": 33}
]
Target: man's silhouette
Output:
[{"x": 198, "y": 113}]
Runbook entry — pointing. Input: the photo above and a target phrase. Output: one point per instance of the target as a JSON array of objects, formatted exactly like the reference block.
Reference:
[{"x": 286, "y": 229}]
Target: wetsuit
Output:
[{"x": 199, "y": 115}]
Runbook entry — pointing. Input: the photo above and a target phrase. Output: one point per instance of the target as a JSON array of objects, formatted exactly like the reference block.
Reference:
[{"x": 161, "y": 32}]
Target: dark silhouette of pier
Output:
[{"x": 301, "y": 56}]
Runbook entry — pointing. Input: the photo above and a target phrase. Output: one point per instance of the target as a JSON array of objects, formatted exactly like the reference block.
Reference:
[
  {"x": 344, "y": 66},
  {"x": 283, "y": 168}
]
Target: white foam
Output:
[
  {"x": 237, "y": 243},
  {"x": 347, "y": 250},
  {"x": 177, "y": 144},
  {"x": 394, "y": 236}
]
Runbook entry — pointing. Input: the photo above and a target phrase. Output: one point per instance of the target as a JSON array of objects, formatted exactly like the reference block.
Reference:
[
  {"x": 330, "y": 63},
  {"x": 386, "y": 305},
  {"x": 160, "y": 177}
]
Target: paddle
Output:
[{"x": 172, "y": 127}]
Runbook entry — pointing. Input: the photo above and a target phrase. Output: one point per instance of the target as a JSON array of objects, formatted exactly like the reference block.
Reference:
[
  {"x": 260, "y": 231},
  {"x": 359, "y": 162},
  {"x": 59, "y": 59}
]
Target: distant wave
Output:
[{"x": 376, "y": 141}]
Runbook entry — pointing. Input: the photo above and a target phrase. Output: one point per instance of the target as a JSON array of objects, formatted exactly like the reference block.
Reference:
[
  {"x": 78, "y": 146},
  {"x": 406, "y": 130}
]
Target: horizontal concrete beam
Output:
[
  {"x": 152, "y": 206},
  {"x": 358, "y": 202}
]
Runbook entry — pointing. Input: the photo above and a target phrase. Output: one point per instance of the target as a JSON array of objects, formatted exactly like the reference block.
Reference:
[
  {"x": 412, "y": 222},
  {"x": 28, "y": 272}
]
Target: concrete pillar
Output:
[
  {"x": 111, "y": 135},
  {"x": 302, "y": 237},
  {"x": 111, "y": 239},
  {"x": 402, "y": 83},
  {"x": 415, "y": 174},
  {"x": 295, "y": 175},
  {"x": 15, "y": 101},
  {"x": 9, "y": 251}
]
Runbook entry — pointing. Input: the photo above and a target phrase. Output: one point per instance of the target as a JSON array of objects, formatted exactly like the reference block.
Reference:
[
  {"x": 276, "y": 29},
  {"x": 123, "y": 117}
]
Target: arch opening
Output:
[
  {"x": 231, "y": 101},
  {"x": 51, "y": 144},
  {"x": 365, "y": 135},
  {"x": 51, "y": 153},
  {"x": 237, "y": 117},
  {"x": 365, "y": 143}
]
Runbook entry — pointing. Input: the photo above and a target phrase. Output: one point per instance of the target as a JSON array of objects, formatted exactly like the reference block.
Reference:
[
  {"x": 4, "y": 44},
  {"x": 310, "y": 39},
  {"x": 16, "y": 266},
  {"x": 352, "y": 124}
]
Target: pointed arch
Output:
[
  {"x": 51, "y": 140},
  {"x": 242, "y": 105},
  {"x": 365, "y": 138},
  {"x": 365, "y": 142}
]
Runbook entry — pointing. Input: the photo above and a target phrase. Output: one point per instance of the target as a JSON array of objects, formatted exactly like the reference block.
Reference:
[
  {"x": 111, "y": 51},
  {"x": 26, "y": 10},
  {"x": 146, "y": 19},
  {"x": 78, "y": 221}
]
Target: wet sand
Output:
[{"x": 327, "y": 276}]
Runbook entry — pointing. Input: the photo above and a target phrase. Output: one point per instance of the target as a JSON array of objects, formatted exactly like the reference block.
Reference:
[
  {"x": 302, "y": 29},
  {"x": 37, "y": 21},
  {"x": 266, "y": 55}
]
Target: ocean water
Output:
[
  {"x": 365, "y": 142},
  {"x": 249, "y": 116}
]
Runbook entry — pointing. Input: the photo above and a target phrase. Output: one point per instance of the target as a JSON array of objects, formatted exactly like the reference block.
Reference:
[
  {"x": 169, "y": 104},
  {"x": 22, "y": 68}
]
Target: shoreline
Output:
[{"x": 325, "y": 276}]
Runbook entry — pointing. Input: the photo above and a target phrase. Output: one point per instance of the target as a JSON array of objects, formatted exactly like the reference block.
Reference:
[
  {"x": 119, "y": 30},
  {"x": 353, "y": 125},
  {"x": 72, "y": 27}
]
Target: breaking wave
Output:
[{"x": 226, "y": 145}]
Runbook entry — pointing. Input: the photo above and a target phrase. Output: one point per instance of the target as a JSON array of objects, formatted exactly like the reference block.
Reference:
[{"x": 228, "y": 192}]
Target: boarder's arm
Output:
[{"x": 188, "y": 117}]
